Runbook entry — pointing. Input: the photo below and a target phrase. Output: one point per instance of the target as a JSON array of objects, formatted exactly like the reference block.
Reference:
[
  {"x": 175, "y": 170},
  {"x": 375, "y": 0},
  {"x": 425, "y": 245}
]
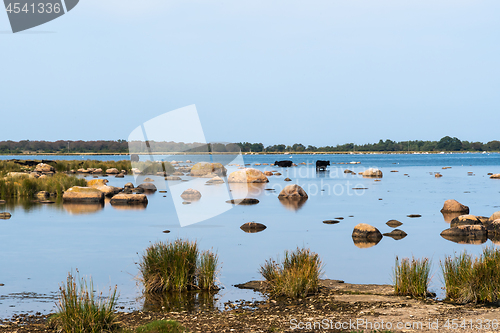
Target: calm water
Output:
[{"x": 40, "y": 244}]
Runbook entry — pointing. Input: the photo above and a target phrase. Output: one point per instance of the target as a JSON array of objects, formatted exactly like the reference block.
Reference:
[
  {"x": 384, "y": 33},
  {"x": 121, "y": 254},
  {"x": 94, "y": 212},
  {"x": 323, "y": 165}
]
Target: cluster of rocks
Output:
[
  {"x": 365, "y": 235},
  {"x": 42, "y": 170},
  {"x": 98, "y": 171},
  {"x": 469, "y": 229},
  {"x": 97, "y": 190}
]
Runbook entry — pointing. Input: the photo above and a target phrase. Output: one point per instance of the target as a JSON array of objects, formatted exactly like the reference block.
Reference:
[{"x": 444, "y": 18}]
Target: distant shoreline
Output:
[{"x": 262, "y": 153}]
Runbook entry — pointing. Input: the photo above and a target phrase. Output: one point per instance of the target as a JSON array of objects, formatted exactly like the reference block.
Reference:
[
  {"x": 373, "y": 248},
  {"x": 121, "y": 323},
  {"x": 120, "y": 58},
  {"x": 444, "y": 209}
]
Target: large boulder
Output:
[
  {"x": 247, "y": 175},
  {"x": 129, "y": 199},
  {"x": 112, "y": 171},
  {"x": 44, "y": 168},
  {"x": 372, "y": 172},
  {"x": 293, "y": 191},
  {"x": 366, "y": 232},
  {"x": 191, "y": 194},
  {"x": 204, "y": 168},
  {"x": 465, "y": 220},
  {"x": 100, "y": 184},
  {"x": 148, "y": 187},
  {"x": 83, "y": 194},
  {"x": 466, "y": 234},
  {"x": 495, "y": 176},
  {"x": 453, "y": 206}
]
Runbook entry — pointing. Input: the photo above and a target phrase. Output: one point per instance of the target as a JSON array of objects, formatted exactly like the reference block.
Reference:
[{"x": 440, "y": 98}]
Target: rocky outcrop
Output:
[
  {"x": 191, "y": 194},
  {"x": 495, "y": 216},
  {"x": 372, "y": 172},
  {"x": 204, "y": 168},
  {"x": 83, "y": 195},
  {"x": 495, "y": 176},
  {"x": 293, "y": 191},
  {"x": 453, "y": 206},
  {"x": 247, "y": 175},
  {"x": 129, "y": 199}
]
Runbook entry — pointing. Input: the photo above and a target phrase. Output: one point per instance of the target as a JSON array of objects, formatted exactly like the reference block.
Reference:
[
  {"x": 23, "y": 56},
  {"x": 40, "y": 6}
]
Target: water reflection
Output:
[
  {"x": 130, "y": 207},
  {"x": 364, "y": 243},
  {"x": 27, "y": 205},
  {"x": 190, "y": 301},
  {"x": 242, "y": 190},
  {"x": 450, "y": 216},
  {"x": 472, "y": 239},
  {"x": 80, "y": 208},
  {"x": 293, "y": 204}
]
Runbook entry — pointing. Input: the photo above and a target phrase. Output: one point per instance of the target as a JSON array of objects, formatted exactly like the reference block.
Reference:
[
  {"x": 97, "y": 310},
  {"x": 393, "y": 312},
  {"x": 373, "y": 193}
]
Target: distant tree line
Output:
[
  {"x": 445, "y": 144},
  {"x": 122, "y": 146}
]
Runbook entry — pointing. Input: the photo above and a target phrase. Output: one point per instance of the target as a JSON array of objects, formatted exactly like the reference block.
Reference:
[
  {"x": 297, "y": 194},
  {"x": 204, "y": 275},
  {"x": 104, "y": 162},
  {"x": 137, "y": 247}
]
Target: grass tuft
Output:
[
  {"x": 27, "y": 187},
  {"x": 411, "y": 278},
  {"x": 473, "y": 280},
  {"x": 177, "y": 266},
  {"x": 81, "y": 311},
  {"x": 296, "y": 276}
]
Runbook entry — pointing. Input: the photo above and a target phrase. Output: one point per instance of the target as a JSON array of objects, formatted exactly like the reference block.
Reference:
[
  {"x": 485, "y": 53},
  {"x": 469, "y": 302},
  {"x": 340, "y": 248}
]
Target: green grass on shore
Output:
[
  {"x": 411, "y": 277},
  {"x": 14, "y": 187},
  {"x": 80, "y": 310},
  {"x": 297, "y": 275}
]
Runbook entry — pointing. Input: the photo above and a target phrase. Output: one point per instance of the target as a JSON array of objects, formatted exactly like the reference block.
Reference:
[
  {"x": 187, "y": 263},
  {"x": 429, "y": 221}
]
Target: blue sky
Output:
[{"x": 320, "y": 72}]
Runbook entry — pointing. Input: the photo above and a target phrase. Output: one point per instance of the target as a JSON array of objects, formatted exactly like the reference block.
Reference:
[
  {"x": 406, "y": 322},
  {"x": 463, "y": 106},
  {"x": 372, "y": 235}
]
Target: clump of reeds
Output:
[
  {"x": 411, "y": 277},
  {"x": 473, "y": 280},
  {"x": 297, "y": 275},
  {"x": 12, "y": 187},
  {"x": 177, "y": 266},
  {"x": 80, "y": 310}
]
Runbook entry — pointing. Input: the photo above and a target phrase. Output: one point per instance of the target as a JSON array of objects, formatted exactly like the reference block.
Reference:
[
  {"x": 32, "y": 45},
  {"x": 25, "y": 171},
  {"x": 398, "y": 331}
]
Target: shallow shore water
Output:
[{"x": 40, "y": 244}]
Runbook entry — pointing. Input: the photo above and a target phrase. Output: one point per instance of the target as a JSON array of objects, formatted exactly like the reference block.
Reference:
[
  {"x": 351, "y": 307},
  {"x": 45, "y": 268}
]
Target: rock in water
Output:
[
  {"x": 191, "y": 194},
  {"x": 5, "y": 216},
  {"x": 466, "y": 234},
  {"x": 396, "y": 234},
  {"x": 204, "y": 168},
  {"x": 247, "y": 175},
  {"x": 452, "y": 206},
  {"x": 365, "y": 233},
  {"x": 245, "y": 201},
  {"x": 253, "y": 227},
  {"x": 372, "y": 172},
  {"x": 293, "y": 191},
  {"x": 148, "y": 187},
  {"x": 83, "y": 194},
  {"x": 495, "y": 176},
  {"x": 465, "y": 220},
  {"x": 129, "y": 199},
  {"x": 393, "y": 223}
]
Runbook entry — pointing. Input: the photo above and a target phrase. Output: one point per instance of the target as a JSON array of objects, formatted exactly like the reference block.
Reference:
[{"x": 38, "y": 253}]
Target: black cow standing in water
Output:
[
  {"x": 283, "y": 164},
  {"x": 321, "y": 165}
]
